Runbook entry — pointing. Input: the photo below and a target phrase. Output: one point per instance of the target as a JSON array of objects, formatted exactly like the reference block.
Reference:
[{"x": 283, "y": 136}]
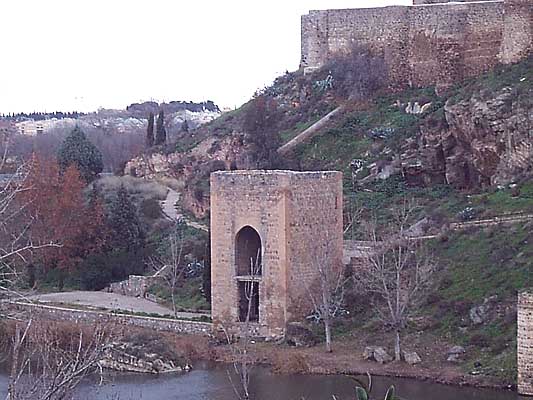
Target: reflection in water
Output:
[{"x": 210, "y": 382}]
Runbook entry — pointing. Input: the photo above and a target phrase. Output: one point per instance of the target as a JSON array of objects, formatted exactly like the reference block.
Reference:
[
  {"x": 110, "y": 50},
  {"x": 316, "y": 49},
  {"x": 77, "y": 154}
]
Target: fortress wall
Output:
[
  {"x": 517, "y": 40},
  {"x": 449, "y": 42},
  {"x": 381, "y": 30},
  {"x": 424, "y": 44},
  {"x": 421, "y": 2}
]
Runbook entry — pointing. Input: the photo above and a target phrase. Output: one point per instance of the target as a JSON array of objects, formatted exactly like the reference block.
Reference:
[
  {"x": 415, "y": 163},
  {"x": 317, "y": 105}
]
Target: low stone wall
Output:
[
  {"x": 134, "y": 286},
  {"x": 95, "y": 317},
  {"x": 525, "y": 343}
]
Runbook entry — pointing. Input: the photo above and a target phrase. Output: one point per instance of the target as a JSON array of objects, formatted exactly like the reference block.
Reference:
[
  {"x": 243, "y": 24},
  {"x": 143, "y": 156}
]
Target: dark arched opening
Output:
[
  {"x": 248, "y": 269},
  {"x": 248, "y": 252}
]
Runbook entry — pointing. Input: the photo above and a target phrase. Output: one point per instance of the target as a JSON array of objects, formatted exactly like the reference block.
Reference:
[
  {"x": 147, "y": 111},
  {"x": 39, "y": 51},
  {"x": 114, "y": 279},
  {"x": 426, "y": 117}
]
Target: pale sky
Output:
[{"x": 86, "y": 54}]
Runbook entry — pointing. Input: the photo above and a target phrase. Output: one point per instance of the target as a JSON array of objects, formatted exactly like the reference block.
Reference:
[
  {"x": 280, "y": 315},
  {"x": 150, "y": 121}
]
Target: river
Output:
[{"x": 211, "y": 382}]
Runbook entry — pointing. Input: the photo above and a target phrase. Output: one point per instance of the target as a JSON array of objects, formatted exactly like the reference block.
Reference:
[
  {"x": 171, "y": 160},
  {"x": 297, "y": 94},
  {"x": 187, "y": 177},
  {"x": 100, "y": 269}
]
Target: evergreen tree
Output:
[
  {"x": 150, "y": 131},
  {"x": 124, "y": 224},
  {"x": 185, "y": 126},
  {"x": 161, "y": 133},
  {"x": 77, "y": 150}
]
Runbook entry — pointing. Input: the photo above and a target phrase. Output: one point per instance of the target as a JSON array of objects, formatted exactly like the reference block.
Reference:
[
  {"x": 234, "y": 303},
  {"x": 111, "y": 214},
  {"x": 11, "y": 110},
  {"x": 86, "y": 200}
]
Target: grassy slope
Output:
[{"x": 474, "y": 265}]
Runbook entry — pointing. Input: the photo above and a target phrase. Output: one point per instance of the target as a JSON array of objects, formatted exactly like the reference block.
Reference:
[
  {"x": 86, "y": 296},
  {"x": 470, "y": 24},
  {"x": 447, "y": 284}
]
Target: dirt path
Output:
[
  {"x": 169, "y": 209},
  {"x": 110, "y": 301}
]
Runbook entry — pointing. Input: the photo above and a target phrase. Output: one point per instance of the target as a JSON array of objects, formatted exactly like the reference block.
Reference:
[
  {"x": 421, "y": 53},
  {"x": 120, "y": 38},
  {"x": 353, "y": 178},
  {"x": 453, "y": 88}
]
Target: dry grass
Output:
[{"x": 137, "y": 187}]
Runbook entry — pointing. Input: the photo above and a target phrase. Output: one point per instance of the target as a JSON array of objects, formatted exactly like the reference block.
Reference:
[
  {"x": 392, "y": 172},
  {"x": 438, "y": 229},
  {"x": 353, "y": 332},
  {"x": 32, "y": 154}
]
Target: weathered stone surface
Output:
[
  {"x": 381, "y": 355},
  {"x": 368, "y": 353},
  {"x": 437, "y": 44},
  {"x": 213, "y": 153},
  {"x": 479, "y": 314},
  {"x": 127, "y": 357},
  {"x": 377, "y": 353},
  {"x": 525, "y": 343},
  {"x": 134, "y": 286},
  {"x": 485, "y": 140},
  {"x": 455, "y": 353},
  {"x": 411, "y": 357},
  {"x": 291, "y": 215},
  {"x": 92, "y": 317}
]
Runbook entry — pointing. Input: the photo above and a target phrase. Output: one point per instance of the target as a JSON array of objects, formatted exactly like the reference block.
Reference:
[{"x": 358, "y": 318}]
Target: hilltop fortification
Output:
[{"x": 426, "y": 43}]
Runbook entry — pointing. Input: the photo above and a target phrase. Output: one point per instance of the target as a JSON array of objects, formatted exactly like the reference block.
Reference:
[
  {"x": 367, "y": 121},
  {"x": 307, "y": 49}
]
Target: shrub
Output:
[
  {"x": 357, "y": 73},
  {"x": 150, "y": 208}
]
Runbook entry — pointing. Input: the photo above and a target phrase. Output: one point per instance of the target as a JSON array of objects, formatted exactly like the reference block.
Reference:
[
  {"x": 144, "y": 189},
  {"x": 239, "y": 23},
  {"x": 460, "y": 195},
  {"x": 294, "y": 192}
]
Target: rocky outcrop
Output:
[
  {"x": 127, "y": 357},
  {"x": 455, "y": 353},
  {"x": 483, "y": 140},
  {"x": 411, "y": 358},
  {"x": 192, "y": 168},
  {"x": 378, "y": 354}
]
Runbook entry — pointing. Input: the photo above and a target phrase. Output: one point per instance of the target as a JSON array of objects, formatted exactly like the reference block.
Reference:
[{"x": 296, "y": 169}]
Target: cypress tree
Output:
[
  {"x": 150, "y": 131},
  {"x": 161, "y": 133},
  {"x": 185, "y": 126}
]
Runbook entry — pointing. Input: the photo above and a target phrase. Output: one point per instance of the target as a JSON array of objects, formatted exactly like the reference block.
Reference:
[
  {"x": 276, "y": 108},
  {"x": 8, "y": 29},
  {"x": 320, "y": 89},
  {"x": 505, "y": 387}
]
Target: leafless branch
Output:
[{"x": 397, "y": 272}]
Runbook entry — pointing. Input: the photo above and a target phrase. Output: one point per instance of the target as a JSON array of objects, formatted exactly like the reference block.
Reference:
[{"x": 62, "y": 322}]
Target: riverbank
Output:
[{"x": 346, "y": 358}]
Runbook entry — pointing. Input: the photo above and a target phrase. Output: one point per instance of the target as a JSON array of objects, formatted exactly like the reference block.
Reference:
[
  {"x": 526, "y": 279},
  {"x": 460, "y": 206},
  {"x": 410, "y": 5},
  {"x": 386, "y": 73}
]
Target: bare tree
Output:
[
  {"x": 243, "y": 361},
  {"x": 49, "y": 361},
  {"x": 397, "y": 272},
  {"x": 169, "y": 265},
  {"x": 327, "y": 292}
]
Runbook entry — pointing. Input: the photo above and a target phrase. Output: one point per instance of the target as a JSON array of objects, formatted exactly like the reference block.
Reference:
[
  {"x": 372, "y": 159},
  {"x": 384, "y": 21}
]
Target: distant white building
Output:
[{"x": 33, "y": 128}]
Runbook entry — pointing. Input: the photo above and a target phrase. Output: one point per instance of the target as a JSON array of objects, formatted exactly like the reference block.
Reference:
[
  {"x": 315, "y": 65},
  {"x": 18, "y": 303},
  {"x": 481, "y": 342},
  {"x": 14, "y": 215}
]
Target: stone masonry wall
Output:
[
  {"x": 256, "y": 200},
  {"x": 284, "y": 208},
  {"x": 517, "y": 41},
  {"x": 316, "y": 235},
  {"x": 422, "y": 45},
  {"x": 418, "y": 2},
  {"x": 94, "y": 317},
  {"x": 525, "y": 343}
]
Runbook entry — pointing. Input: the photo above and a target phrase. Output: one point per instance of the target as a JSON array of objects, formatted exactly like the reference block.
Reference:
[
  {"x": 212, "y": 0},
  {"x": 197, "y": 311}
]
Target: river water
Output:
[{"x": 211, "y": 382}]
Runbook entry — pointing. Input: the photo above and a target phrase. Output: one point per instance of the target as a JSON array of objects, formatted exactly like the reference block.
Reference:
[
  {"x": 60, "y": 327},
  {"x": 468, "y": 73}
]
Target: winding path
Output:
[{"x": 171, "y": 212}]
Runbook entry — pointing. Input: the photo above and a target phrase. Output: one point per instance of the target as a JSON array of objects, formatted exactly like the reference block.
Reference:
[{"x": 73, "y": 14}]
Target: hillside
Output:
[{"x": 464, "y": 155}]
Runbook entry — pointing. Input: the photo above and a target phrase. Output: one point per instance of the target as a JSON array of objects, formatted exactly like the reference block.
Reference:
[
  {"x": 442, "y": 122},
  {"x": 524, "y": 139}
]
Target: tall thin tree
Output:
[
  {"x": 150, "y": 131},
  {"x": 161, "y": 132}
]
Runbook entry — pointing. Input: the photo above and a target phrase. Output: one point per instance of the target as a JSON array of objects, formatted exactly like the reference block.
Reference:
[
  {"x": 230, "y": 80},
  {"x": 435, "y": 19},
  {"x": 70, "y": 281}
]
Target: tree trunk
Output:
[
  {"x": 397, "y": 350},
  {"x": 174, "y": 304},
  {"x": 327, "y": 328}
]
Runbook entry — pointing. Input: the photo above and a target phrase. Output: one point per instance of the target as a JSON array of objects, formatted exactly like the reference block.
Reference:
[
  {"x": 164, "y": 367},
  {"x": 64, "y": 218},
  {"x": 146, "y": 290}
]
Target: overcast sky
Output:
[{"x": 86, "y": 54}]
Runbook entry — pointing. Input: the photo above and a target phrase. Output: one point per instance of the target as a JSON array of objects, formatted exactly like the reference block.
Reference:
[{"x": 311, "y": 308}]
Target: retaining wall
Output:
[{"x": 95, "y": 317}]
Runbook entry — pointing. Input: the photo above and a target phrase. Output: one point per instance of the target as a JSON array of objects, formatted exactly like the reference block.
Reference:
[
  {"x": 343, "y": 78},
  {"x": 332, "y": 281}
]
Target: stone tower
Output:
[
  {"x": 280, "y": 219},
  {"x": 525, "y": 343}
]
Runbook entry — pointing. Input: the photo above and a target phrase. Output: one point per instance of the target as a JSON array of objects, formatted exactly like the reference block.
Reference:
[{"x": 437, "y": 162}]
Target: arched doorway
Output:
[
  {"x": 248, "y": 252},
  {"x": 248, "y": 268}
]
